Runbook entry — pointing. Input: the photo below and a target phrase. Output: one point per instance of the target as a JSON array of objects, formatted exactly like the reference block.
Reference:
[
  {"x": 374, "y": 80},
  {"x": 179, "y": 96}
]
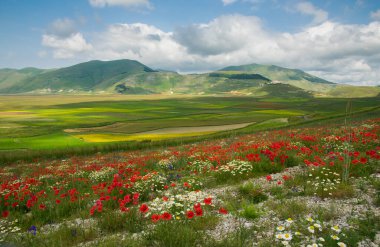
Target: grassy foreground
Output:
[{"x": 302, "y": 186}]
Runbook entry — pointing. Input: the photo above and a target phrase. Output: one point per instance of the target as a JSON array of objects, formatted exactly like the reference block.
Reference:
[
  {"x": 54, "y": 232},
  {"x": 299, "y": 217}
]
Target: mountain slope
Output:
[
  {"x": 276, "y": 73},
  {"x": 86, "y": 76},
  {"x": 131, "y": 77},
  {"x": 11, "y": 77}
]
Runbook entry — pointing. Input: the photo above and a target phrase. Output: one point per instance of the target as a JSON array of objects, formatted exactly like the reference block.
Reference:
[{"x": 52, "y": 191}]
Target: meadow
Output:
[
  {"x": 311, "y": 184},
  {"x": 59, "y": 124}
]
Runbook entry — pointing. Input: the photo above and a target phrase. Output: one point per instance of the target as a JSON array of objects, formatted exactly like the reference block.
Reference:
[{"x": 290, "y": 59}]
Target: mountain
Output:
[
  {"x": 11, "y": 77},
  {"x": 132, "y": 77},
  {"x": 86, "y": 76}
]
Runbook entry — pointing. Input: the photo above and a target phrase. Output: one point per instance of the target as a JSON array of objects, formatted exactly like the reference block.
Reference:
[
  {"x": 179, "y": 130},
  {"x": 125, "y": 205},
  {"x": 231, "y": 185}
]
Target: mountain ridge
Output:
[{"x": 132, "y": 77}]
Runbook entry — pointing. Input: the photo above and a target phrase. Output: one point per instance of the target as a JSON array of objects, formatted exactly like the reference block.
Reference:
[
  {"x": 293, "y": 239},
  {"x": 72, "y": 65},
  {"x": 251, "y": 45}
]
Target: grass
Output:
[
  {"x": 293, "y": 209},
  {"x": 252, "y": 193},
  {"x": 36, "y": 127}
]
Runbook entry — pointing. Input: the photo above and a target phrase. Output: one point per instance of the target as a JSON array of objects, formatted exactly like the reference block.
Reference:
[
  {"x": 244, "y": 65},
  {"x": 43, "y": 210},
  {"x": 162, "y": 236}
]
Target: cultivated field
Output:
[{"x": 67, "y": 122}]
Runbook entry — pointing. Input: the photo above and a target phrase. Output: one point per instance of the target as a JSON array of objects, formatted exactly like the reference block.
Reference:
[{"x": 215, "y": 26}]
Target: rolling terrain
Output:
[{"x": 133, "y": 78}]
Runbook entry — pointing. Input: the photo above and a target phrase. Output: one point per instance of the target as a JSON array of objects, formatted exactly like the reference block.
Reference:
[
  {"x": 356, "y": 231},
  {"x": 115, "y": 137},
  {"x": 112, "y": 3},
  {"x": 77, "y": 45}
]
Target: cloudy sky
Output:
[{"x": 338, "y": 40}]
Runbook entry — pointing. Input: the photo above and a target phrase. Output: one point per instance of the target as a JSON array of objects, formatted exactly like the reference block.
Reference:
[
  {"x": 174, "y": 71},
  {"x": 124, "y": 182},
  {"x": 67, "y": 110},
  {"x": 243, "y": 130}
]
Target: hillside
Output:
[
  {"x": 132, "y": 77},
  {"x": 11, "y": 77},
  {"x": 87, "y": 76}
]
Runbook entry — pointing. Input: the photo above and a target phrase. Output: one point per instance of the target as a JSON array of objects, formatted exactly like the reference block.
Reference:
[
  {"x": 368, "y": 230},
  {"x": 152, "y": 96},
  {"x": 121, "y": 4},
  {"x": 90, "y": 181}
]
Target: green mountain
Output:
[
  {"x": 87, "y": 76},
  {"x": 131, "y": 77},
  {"x": 11, "y": 77}
]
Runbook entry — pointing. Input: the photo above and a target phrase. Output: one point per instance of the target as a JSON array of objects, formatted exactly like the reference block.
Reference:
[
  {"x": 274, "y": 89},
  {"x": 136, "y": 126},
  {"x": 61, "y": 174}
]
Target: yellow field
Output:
[{"x": 138, "y": 137}]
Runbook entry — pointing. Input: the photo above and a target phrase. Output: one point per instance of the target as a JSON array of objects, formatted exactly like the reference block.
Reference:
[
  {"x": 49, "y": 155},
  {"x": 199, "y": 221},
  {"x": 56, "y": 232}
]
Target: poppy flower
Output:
[
  {"x": 223, "y": 211},
  {"x": 155, "y": 217},
  {"x": 190, "y": 214},
  {"x": 5, "y": 214},
  {"x": 269, "y": 178},
  {"x": 208, "y": 201},
  {"x": 144, "y": 208},
  {"x": 199, "y": 211},
  {"x": 166, "y": 216}
]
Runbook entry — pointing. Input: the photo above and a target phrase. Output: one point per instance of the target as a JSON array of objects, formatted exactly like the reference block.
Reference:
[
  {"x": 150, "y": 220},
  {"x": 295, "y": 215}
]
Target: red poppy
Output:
[
  {"x": 155, "y": 217},
  {"x": 208, "y": 201},
  {"x": 190, "y": 214},
  {"x": 136, "y": 196},
  {"x": 166, "y": 216},
  {"x": 223, "y": 211},
  {"x": 269, "y": 178},
  {"x": 144, "y": 208},
  {"x": 5, "y": 214},
  {"x": 199, "y": 211},
  {"x": 42, "y": 206},
  {"x": 57, "y": 201}
]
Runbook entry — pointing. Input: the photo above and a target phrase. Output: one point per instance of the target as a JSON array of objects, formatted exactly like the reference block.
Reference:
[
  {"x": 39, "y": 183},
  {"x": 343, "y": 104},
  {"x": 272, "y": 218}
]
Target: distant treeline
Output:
[{"x": 240, "y": 76}]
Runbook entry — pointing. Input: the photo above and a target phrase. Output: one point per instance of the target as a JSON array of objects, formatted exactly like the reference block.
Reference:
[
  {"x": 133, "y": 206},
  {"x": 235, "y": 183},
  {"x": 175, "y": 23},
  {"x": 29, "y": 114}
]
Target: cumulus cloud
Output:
[
  {"x": 222, "y": 35},
  {"x": 123, "y": 3},
  {"x": 138, "y": 41},
  {"x": 62, "y": 28},
  {"x": 66, "y": 47},
  {"x": 308, "y": 8},
  {"x": 375, "y": 15},
  {"x": 346, "y": 53},
  {"x": 63, "y": 38}
]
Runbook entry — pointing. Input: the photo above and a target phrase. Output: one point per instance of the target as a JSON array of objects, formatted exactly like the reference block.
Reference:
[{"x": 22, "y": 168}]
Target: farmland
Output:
[
  {"x": 227, "y": 191},
  {"x": 51, "y": 123}
]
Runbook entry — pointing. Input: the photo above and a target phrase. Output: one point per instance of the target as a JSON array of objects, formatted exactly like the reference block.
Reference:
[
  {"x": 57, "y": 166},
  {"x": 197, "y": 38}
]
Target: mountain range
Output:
[{"x": 132, "y": 77}]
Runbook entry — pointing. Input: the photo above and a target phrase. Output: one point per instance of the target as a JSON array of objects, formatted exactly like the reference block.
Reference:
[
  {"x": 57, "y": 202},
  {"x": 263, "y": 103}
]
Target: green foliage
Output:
[
  {"x": 173, "y": 234},
  {"x": 293, "y": 208},
  {"x": 250, "y": 211},
  {"x": 252, "y": 193},
  {"x": 64, "y": 236},
  {"x": 116, "y": 221}
]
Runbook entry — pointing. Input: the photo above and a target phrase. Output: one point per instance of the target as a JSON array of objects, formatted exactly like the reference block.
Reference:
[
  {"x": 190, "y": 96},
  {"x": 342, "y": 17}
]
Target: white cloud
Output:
[
  {"x": 308, "y": 8},
  {"x": 375, "y": 15},
  {"x": 138, "y": 41},
  {"x": 62, "y": 27},
  {"x": 123, "y": 3},
  {"x": 227, "y": 2},
  {"x": 338, "y": 52},
  {"x": 66, "y": 47},
  {"x": 224, "y": 34}
]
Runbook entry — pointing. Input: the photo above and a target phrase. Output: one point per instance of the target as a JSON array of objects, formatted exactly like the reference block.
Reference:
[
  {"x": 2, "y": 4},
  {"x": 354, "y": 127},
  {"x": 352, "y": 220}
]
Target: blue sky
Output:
[{"x": 337, "y": 40}]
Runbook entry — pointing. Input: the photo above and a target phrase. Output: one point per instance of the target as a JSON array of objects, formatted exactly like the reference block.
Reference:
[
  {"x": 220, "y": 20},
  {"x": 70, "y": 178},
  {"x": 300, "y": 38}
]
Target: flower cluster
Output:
[
  {"x": 180, "y": 205},
  {"x": 201, "y": 166},
  {"x": 7, "y": 228},
  {"x": 308, "y": 232},
  {"x": 236, "y": 167},
  {"x": 323, "y": 181},
  {"x": 101, "y": 175}
]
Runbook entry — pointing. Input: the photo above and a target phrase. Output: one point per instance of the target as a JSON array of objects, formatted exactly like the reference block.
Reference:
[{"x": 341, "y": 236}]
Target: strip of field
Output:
[
  {"x": 163, "y": 131},
  {"x": 94, "y": 138},
  {"x": 183, "y": 130},
  {"x": 160, "y": 134}
]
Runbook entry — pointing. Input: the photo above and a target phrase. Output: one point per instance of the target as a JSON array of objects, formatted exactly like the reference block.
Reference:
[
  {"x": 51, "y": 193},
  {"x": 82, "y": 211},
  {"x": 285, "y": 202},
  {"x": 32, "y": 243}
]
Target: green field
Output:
[{"x": 59, "y": 122}]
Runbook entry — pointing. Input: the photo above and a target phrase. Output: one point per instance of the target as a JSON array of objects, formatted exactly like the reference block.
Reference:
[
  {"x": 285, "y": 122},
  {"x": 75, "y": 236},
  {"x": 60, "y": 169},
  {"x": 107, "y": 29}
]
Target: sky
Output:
[{"x": 338, "y": 40}]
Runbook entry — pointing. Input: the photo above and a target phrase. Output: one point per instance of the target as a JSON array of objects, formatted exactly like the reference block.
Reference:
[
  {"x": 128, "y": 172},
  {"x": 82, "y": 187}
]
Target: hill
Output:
[
  {"x": 86, "y": 76},
  {"x": 132, "y": 77}
]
